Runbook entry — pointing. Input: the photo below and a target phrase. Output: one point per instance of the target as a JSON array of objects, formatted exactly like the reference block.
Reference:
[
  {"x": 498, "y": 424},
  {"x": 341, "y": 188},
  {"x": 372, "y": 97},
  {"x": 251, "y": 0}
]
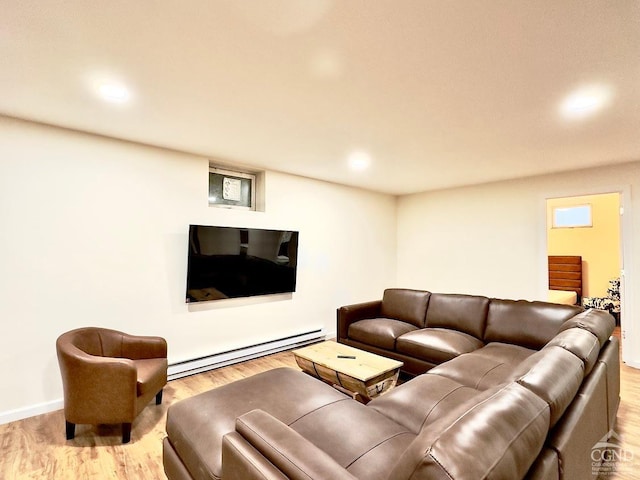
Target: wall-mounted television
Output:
[{"x": 230, "y": 262}]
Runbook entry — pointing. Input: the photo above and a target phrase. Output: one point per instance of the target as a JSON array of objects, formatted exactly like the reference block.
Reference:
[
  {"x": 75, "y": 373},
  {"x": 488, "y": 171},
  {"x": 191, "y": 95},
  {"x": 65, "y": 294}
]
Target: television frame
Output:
[{"x": 239, "y": 262}]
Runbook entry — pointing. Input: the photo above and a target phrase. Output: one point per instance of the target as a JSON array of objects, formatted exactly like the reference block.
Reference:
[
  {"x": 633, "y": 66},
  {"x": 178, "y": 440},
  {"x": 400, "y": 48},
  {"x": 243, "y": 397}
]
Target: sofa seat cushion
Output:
[
  {"x": 436, "y": 345},
  {"x": 379, "y": 332},
  {"x": 357, "y": 437},
  {"x": 195, "y": 426},
  {"x": 478, "y": 372},
  {"x": 505, "y": 352},
  {"x": 499, "y": 436},
  {"x": 486, "y": 367},
  {"x": 419, "y": 402},
  {"x": 152, "y": 375}
]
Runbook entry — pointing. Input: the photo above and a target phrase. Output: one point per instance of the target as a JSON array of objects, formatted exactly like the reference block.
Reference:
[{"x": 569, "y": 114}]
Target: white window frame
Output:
[{"x": 588, "y": 223}]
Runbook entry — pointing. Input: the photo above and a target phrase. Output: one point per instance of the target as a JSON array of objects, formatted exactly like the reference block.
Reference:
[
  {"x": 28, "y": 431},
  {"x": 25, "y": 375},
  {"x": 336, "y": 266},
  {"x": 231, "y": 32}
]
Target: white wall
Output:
[
  {"x": 94, "y": 232},
  {"x": 491, "y": 239}
]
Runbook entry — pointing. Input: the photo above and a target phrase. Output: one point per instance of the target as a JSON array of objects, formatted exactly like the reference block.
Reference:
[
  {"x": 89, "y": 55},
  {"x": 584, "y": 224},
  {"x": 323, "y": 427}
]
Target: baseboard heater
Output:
[{"x": 223, "y": 359}]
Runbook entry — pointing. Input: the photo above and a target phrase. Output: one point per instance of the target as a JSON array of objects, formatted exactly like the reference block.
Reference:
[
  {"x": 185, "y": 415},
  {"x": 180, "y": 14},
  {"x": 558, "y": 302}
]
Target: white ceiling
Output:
[{"x": 439, "y": 93}]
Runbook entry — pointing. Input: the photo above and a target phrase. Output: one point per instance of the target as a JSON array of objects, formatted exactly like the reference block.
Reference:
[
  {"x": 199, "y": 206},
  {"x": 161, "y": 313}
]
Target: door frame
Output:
[{"x": 627, "y": 279}]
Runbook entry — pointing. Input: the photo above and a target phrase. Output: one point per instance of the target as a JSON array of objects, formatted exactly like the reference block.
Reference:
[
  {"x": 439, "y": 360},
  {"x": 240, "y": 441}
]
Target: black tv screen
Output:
[{"x": 229, "y": 262}]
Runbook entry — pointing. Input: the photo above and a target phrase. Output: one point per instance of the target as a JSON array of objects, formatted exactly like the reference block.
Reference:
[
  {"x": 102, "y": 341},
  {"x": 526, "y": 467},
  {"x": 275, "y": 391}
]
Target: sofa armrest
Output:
[
  {"x": 138, "y": 347},
  {"x": 287, "y": 450},
  {"x": 352, "y": 313},
  {"x": 240, "y": 461}
]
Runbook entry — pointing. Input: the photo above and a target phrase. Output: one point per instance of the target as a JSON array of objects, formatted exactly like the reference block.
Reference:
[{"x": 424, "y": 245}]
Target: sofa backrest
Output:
[
  {"x": 529, "y": 324},
  {"x": 582, "y": 343},
  {"x": 465, "y": 313},
  {"x": 553, "y": 374},
  {"x": 405, "y": 304},
  {"x": 598, "y": 322},
  {"x": 498, "y": 437}
]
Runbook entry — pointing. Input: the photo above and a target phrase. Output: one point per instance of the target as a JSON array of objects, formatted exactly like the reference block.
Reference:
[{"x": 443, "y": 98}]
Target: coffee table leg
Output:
[{"x": 355, "y": 395}]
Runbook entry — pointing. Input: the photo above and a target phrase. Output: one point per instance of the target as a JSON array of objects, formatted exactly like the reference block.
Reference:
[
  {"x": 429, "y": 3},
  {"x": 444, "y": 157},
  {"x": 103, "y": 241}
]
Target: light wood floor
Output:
[{"x": 35, "y": 448}]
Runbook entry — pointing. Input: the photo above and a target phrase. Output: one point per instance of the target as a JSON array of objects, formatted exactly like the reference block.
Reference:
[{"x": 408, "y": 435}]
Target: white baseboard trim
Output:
[
  {"x": 223, "y": 359},
  {"x": 31, "y": 411},
  {"x": 632, "y": 364},
  {"x": 190, "y": 367}
]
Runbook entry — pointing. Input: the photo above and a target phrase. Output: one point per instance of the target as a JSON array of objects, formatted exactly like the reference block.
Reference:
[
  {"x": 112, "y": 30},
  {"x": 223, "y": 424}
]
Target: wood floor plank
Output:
[{"x": 35, "y": 448}]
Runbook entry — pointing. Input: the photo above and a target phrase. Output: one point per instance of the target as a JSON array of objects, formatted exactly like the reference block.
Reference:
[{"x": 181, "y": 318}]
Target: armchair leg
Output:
[
  {"x": 159, "y": 397},
  {"x": 126, "y": 432},
  {"x": 71, "y": 430}
]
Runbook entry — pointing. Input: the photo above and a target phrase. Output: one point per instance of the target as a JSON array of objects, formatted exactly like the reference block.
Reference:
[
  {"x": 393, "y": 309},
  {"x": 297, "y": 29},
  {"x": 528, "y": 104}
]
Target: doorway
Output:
[{"x": 590, "y": 227}]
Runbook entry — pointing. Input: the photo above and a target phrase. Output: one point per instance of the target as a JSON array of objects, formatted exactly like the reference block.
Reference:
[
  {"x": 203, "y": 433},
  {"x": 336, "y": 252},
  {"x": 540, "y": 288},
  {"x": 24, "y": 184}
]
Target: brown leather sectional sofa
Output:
[{"x": 512, "y": 389}]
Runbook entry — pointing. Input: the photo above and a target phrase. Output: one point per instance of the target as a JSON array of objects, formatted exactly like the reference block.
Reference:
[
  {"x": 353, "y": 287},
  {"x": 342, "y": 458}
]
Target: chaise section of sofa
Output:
[
  {"x": 196, "y": 427},
  {"x": 529, "y": 401},
  {"x": 316, "y": 411}
]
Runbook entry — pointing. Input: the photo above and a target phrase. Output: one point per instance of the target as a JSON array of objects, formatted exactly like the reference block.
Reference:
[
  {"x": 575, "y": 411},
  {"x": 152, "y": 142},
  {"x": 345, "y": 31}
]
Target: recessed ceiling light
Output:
[
  {"x": 114, "y": 92},
  {"x": 359, "y": 160},
  {"x": 326, "y": 64},
  {"x": 586, "y": 101}
]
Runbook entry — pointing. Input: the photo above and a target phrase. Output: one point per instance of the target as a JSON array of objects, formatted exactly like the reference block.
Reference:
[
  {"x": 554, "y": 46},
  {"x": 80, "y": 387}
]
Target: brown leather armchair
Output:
[{"x": 108, "y": 376}]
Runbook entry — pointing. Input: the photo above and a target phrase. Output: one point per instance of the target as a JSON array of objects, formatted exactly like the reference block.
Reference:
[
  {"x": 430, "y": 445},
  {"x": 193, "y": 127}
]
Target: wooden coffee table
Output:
[{"x": 361, "y": 374}]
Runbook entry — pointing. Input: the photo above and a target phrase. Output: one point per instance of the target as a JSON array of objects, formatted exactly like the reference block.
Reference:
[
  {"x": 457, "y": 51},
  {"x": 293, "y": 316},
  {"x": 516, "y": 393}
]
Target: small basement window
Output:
[
  {"x": 232, "y": 189},
  {"x": 572, "y": 217}
]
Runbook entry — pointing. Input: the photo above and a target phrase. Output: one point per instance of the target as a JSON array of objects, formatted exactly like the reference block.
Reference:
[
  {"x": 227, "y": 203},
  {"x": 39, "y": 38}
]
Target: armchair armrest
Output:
[
  {"x": 292, "y": 454},
  {"x": 352, "y": 313},
  {"x": 103, "y": 384},
  {"x": 139, "y": 347}
]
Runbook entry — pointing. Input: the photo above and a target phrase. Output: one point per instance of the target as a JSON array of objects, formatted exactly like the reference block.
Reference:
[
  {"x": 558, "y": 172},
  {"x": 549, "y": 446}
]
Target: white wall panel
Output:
[
  {"x": 491, "y": 239},
  {"x": 94, "y": 232}
]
